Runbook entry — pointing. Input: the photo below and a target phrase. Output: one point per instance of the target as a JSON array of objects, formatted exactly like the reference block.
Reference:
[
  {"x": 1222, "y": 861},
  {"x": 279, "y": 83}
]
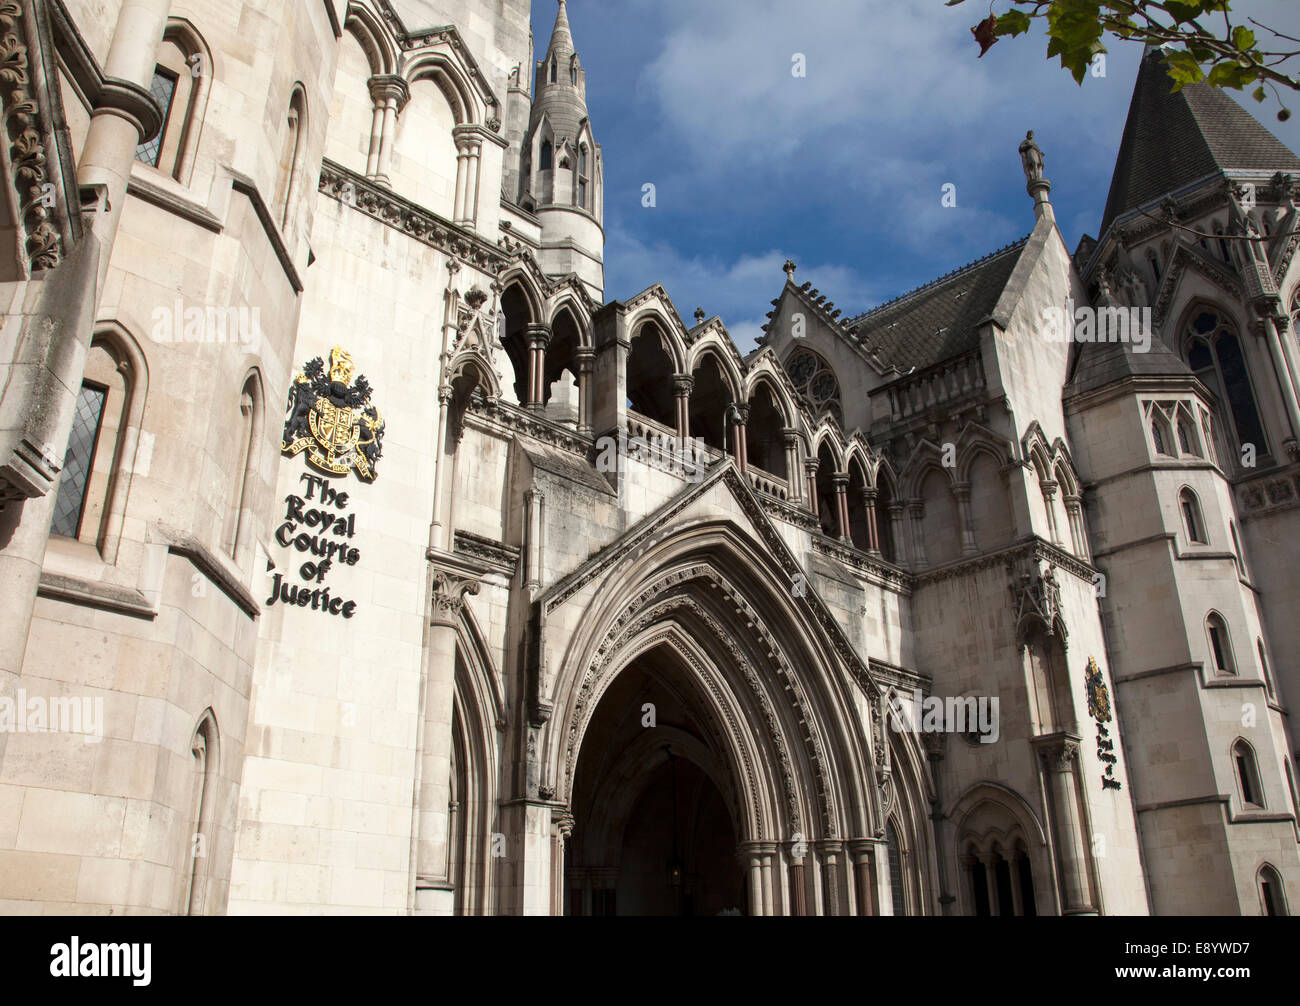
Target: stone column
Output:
[
  {"x": 533, "y": 502},
  {"x": 810, "y": 476},
  {"x": 1074, "y": 512},
  {"x": 452, "y": 581},
  {"x": 469, "y": 149},
  {"x": 991, "y": 881},
  {"x": 961, "y": 490},
  {"x": 738, "y": 442},
  {"x": 585, "y": 357},
  {"x": 798, "y": 883},
  {"x": 864, "y": 871},
  {"x": 1059, "y": 755},
  {"x": 915, "y": 512},
  {"x": 840, "y": 480},
  {"x": 766, "y": 851},
  {"x": 539, "y": 337},
  {"x": 561, "y": 830},
  {"x": 873, "y": 533},
  {"x": 109, "y": 148},
  {"x": 751, "y": 860},
  {"x": 1284, "y": 374},
  {"x": 896, "y": 533},
  {"x": 1017, "y": 895},
  {"x": 390, "y": 93},
  {"x": 1049, "y": 499},
  {"x": 831, "y": 853},
  {"x": 683, "y": 385},
  {"x": 792, "y": 464}
]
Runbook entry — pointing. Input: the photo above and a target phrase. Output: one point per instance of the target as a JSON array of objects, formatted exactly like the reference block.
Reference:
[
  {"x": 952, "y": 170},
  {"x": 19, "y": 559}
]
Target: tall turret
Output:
[{"x": 562, "y": 178}]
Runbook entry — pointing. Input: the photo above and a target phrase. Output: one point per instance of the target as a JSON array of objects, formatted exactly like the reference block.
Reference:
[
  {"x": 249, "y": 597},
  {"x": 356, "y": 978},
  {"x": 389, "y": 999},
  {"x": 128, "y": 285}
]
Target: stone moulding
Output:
[
  {"x": 503, "y": 558},
  {"x": 427, "y": 227}
]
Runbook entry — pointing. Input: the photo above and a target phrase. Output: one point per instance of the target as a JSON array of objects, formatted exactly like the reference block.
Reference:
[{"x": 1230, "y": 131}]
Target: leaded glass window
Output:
[{"x": 71, "y": 500}]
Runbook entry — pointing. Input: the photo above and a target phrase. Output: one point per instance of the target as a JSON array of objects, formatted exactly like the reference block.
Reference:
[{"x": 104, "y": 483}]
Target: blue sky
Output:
[{"x": 841, "y": 170}]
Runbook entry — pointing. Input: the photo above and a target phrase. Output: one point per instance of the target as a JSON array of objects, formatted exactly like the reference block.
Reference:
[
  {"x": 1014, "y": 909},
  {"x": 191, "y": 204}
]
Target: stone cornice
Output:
[
  {"x": 408, "y": 218},
  {"x": 1034, "y": 550},
  {"x": 502, "y": 557},
  {"x": 219, "y": 570},
  {"x": 95, "y": 594},
  {"x": 494, "y": 416}
]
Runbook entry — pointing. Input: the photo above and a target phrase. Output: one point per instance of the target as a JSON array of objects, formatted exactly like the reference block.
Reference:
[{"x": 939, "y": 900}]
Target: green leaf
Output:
[
  {"x": 1013, "y": 23},
  {"x": 1183, "y": 68},
  {"x": 1182, "y": 11},
  {"x": 1243, "y": 38},
  {"x": 1258, "y": 94}
]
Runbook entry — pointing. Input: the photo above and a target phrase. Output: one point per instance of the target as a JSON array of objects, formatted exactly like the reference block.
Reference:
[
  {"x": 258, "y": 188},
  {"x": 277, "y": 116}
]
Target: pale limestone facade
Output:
[{"x": 561, "y": 673}]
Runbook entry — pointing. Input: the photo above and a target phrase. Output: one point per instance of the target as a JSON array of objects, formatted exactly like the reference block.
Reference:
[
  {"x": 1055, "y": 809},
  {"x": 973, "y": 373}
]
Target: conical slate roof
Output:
[
  {"x": 1098, "y": 364},
  {"x": 1173, "y": 139},
  {"x": 562, "y": 103},
  {"x": 562, "y": 36}
]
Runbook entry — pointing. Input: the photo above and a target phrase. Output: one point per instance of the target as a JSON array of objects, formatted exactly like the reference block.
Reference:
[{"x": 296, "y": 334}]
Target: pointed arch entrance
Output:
[
  {"x": 655, "y": 801},
  {"x": 762, "y": 709}
]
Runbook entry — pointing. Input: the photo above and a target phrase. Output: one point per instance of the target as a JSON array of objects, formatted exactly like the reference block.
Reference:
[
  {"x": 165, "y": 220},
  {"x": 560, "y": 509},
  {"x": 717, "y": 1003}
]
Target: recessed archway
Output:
[{"x": 654, "y": 802}]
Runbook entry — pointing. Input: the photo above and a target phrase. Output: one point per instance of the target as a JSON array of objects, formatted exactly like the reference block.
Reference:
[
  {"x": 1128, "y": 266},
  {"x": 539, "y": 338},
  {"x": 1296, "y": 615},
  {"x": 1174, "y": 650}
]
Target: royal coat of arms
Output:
[
  {"x": 331, "y": 417},
  {"x": 1098, "y": 693}
]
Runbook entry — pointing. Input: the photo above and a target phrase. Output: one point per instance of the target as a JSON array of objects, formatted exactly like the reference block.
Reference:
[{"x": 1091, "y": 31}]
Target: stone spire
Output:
[
  {"x": 563, "y": 179},
  {"x": 562, "y": 37}
]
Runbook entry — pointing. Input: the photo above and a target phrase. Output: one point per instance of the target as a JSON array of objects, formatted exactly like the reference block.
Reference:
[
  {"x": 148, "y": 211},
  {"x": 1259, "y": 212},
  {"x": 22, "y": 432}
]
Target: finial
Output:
[
  {"x": 699, "y": 315},
  {"x": 789, "y": 269}
]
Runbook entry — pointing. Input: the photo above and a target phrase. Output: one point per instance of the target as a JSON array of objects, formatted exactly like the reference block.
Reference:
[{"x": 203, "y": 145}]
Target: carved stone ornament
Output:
[{"x": 1037, "y": 597}]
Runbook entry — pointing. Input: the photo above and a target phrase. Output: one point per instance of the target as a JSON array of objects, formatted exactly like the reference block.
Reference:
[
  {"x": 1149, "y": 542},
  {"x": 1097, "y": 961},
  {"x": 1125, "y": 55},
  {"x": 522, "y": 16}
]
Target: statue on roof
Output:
[{"x": 1031, "y": 158}]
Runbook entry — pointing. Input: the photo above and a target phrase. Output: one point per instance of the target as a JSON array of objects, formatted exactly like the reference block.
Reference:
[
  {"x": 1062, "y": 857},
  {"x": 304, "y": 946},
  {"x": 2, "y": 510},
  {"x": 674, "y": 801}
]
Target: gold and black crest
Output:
[
  {"x": 331, "y": 417},
  {"x": 1098, "y": 693}
]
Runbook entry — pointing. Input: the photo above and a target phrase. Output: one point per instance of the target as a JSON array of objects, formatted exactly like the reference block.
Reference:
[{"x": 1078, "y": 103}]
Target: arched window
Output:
[
  {"x": 1236, "y": 549},
  {"x": 201, "y": 833},
  {"x": 580, "y": 190},
  {"x": 1187, "y": 442},
  {"x": 181, "y": 82},
  {"x": 814, "y": 379},
  {"x": 573, "y": 73},
  {"x": 1162, "y": 434},
  {"x": 1157, "y": 437},
  {"x": 1291, "y": 790},
  {"x": 78, "y": 462},
  {"x": 1192, "y": 522},
  {"x": 1214, "y": 355},
  {"x": 1272, "y": 895},
  {"x": 244, "y": 472},
  {"x": 544, "y": 162},
  {"x": 91, "y": 498},
  {"x": 555, "y": 71},
  {"x": 1248, "y": 785},
  {"x": 163, "y": 91},
  {"x": 1263, "y": 666},
  {"x": 1220, "y": 644},
  {"x": 291, "y": 154}
]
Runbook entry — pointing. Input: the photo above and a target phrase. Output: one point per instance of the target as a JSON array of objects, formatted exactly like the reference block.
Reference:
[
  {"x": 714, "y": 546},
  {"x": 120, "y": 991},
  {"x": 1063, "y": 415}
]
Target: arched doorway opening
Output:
[{"x": 654, "y": 802}]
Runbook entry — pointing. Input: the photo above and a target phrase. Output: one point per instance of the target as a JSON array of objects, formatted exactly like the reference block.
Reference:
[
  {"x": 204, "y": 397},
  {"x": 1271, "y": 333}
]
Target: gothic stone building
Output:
[{"x": 357, "y": 556}]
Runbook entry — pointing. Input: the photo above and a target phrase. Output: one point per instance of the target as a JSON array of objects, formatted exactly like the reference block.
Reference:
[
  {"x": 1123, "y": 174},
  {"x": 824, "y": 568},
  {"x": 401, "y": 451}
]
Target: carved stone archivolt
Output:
[
  {"x": 26, "y": 128},
  {"x": 660, "y": 602}
]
